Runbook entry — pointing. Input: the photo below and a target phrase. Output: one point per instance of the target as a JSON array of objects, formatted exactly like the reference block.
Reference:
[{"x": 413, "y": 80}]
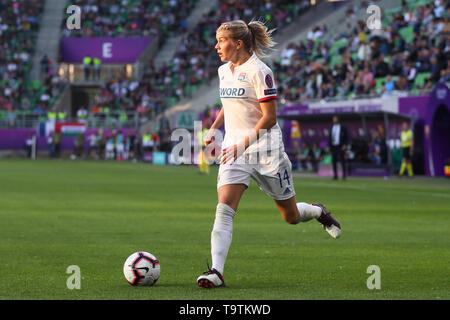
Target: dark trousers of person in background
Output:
[
  {"x": 29, "y": 151},
  {"x": 87, "y": 72},
  {"x": 96, "y": 72},
  {"x": 338, "y": 155},
  {"x": 52, "y": 151},
  {"x": 57, "y": 150}
]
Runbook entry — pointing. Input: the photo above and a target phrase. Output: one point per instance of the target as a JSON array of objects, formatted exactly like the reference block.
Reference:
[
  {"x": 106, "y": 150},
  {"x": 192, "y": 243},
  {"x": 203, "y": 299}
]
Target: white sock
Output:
[
  {"x": 308, "y": 211},
  {"x": 221, "y": 236}
]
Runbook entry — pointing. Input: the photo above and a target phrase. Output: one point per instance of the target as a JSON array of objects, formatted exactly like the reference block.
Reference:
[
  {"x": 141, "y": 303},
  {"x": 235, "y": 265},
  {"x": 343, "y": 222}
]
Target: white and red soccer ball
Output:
[{"x": 141, "y": 269}]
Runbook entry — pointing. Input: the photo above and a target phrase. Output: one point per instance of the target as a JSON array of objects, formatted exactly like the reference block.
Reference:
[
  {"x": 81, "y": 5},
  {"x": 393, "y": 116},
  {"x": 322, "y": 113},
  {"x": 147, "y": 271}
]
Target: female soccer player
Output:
[{"x": 248, "y": 94}]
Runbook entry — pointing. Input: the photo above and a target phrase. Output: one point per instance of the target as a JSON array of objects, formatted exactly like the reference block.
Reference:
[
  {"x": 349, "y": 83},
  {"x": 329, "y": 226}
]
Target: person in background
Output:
[
  {"x": 337, "y": 140},
  {"x": 87, "y": 67},
  {"x": 147, "y": 142},
  {"x": 111, "y": 146},
  {"x": 294, "y": 152},
  {"x": 44, "y": 65},
  {"x": 12, "y": 116},
  {"x": 101, "y": 143},
  {"x": 202, "y": 160},
  {"x": 92, "y": 149},
  {"x": 131, "y": 144},
  {"x": 407, "y": 143},
  {"x": 156, "y": 141},
  {"x": 317, "y": 155},
  {"x": 138, "y": 149},
  {"x": 374, "y": 149},
  {"x": 304, "y": 156},
  {"x": 29, "y": 144},
  {"x": 82, "y": 114},
  {"x": 120, "y": 146},
  {"x": 57, "y": 143},
  {"x": 97, "y": 66},
  {"x": 51, "y": 144},
  {"x": 79, "y": 145},
  {"x": 165, "y": 141},
  {"x": 203, "y": 164}
]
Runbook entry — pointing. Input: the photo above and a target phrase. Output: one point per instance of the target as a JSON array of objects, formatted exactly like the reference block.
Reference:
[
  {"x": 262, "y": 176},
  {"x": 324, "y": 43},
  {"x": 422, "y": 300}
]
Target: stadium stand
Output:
[
  {"x": 410, "y": 53},
  {"x": 195, "y": 50},
  {"x": 110, "y": 18},
  {"x": 333, "y": 62},
  {"x": 407, "y": 57},
  {"x": 21, "y": 97},
  {"x": 192, "y": 65}
]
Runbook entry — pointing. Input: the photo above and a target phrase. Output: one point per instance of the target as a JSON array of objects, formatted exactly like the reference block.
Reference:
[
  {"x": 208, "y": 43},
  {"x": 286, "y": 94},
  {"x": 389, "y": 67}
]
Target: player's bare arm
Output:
[{"x": 208, "y": 138}]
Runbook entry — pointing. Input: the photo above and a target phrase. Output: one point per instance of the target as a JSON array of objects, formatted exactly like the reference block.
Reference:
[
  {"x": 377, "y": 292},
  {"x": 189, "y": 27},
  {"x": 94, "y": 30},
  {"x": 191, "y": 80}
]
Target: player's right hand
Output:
[{"x": 209, "y": 137}]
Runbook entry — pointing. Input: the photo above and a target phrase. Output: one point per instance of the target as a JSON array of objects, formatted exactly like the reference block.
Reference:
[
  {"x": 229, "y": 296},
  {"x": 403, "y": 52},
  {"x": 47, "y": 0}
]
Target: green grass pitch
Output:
[{"x": 54, "y": 214}]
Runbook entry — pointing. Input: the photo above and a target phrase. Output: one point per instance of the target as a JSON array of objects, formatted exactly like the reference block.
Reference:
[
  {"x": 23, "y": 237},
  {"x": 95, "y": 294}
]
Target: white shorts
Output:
[
  {"x": 273, "y": 178},
  {"x": 120, "y": 147},
  {"x": 109, "y": 147}
]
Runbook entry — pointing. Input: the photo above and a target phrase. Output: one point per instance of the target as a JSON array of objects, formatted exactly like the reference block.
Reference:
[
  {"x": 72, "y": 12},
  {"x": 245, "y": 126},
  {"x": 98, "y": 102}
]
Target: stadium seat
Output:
[
  {"x": 407, "y": 33},
  {"x": 335, "y": 60},
  {"x": 390, "y": 12},
  {"x": 337, "y": 45},
  {"x": 379, "y": 82},
  {"x": 421, "y": 78},
  {"x": 35, "y": 84}
]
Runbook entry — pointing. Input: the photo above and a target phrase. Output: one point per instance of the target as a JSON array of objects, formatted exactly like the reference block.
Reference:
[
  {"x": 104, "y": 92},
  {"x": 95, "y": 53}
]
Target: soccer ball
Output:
[{"x": 141, "y": 269}]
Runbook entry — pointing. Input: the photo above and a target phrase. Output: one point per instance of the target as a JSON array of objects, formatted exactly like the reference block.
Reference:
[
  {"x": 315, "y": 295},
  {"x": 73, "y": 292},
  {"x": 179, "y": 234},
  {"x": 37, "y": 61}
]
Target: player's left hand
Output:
[{"x": 231, "y": 153}]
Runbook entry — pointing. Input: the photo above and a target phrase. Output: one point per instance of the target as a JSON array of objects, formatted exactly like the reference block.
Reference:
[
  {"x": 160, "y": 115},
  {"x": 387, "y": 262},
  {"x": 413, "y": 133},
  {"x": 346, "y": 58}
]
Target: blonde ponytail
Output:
[
  {"x": 261, "y": 38},
  {"x": 255, "y": 35}
]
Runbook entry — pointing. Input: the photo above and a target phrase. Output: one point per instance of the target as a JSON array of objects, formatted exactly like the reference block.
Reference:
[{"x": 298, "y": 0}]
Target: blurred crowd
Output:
[
  {"x": 191, "y": 66},
  {"x": 410, "y": 53},
  {"x": 126, "y": 18},
  {"x": 113, "y": 144},
  {"x": 19, "y": 24},
  {"x": 194, "y": 62}
]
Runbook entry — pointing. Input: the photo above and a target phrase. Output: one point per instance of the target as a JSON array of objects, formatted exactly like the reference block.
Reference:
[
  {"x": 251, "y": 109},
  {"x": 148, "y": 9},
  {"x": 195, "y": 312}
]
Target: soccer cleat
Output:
[
  {"x": 211, "y": 279},
  {"x": 330, "y": 224}
]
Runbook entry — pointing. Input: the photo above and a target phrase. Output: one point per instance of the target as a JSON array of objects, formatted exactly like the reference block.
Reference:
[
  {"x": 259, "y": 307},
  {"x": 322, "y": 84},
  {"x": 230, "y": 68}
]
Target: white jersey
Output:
[{"x": 241, "y": 91}]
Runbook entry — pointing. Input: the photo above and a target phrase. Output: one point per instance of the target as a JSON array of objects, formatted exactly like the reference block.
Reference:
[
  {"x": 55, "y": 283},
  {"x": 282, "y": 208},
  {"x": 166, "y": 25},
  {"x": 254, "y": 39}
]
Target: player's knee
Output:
[
  {"x": 229, "y": 202},
  {"x": 224, "y": 217}
]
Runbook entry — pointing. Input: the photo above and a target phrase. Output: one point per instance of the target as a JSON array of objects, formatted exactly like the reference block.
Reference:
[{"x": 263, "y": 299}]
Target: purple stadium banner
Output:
[
  {"x": 108, "y": 49},
  {"x": 293, "y": 110},
  {"x": 298, "y": 110},
  {"x": 414, "y": 107},
  {"x": 15, "y": 139},
  {"x": 369, "y": 108}
]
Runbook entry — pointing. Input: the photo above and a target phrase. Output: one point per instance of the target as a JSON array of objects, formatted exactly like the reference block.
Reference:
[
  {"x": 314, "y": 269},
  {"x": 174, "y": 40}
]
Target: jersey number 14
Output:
[{"x": 285, "y": 177}]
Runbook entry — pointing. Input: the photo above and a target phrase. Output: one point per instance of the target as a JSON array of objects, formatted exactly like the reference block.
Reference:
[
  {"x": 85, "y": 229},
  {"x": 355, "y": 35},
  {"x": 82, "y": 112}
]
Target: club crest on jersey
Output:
[
  {"x": 242, "y": 76},
  {"x": 269, "y": 81}
]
